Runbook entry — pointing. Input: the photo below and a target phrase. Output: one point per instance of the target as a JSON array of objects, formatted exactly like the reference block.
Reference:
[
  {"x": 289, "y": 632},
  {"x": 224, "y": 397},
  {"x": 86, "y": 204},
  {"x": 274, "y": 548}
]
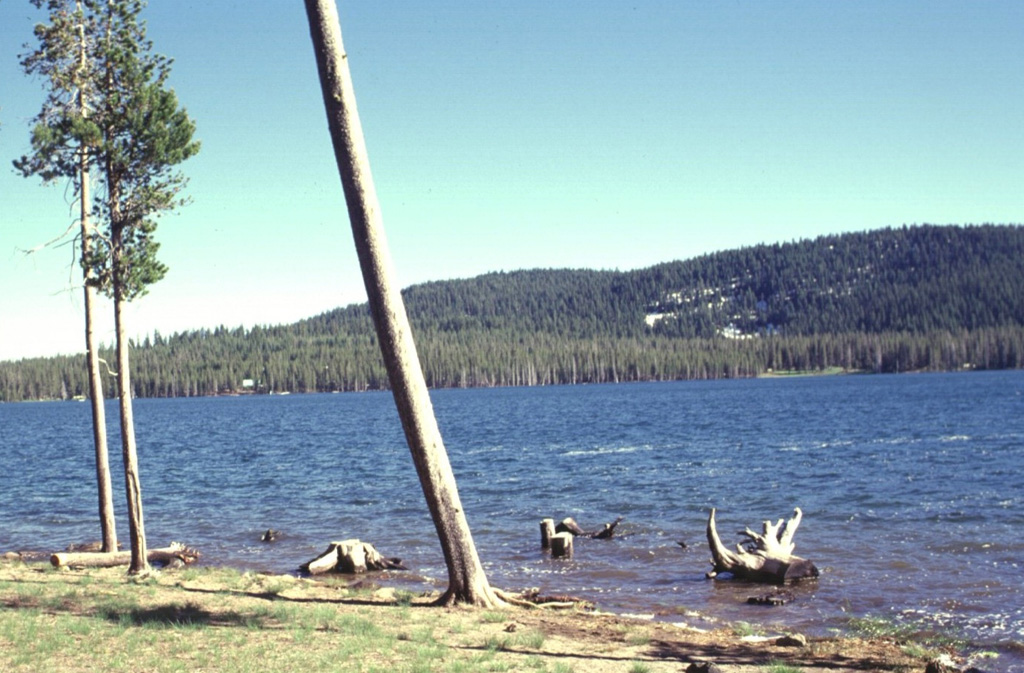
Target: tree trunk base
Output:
[{"x": 488, "y": 597}]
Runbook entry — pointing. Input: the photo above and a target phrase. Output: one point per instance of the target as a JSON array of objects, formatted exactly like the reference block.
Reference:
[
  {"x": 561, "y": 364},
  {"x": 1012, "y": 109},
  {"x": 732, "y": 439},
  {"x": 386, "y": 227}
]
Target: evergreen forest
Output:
[{"x": 921, "y": 298}]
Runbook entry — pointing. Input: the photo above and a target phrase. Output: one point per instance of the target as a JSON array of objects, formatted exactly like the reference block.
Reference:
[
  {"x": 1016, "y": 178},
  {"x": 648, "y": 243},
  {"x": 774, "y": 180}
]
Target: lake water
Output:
[{"x": 911, "y": 488}]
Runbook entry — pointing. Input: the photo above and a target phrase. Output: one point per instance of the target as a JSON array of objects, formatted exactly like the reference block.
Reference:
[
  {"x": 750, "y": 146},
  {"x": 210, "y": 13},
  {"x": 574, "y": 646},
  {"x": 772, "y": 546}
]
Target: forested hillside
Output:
[{"x": 908, "y": 299}]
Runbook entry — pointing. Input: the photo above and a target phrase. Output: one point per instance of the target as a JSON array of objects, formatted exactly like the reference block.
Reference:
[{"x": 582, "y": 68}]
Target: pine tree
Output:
[
  {"x": 143, "y": 135},
  {"x": 62, "y": 139}
]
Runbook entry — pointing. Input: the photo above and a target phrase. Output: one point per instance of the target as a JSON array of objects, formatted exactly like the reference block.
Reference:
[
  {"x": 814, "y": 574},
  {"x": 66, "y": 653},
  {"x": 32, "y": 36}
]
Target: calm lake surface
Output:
[{"x": 911, "y": 487}]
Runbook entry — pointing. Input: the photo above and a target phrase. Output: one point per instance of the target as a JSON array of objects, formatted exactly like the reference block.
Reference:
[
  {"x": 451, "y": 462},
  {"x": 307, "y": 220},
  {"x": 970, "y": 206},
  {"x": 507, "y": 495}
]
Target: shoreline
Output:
[{"x": 257, "y": 613}]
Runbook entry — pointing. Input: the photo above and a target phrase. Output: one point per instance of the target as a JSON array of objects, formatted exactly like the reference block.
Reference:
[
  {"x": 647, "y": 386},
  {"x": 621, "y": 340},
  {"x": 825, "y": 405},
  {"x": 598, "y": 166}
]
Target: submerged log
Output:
[
  {"x": 351, "y": 557},
  {"x": 569, "y": 525},
  {"x": 175, "y": 554},
  {"x": 773, "y": 598},
  {"x": 764, "y": 557},
  {"x": 607, "y": 531}
]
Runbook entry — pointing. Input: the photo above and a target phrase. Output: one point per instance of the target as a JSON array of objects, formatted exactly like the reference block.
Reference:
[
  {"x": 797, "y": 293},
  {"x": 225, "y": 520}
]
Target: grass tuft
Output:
[
  {"x": 493, "y": 617},
  {"x": 746, "y": 629},
  {"x": 776, "y": 666}
]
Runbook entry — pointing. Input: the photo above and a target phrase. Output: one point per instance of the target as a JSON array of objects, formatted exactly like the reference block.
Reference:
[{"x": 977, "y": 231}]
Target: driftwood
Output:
[
  {"x": 351, "y": 556},
  {"x": 176, "y": 554},
  {"x": 26, "y": 556},
  {"x": 569, "y": 525},
  {"x": 764, "y": 557},
  {"x": 532, "y": 598}
]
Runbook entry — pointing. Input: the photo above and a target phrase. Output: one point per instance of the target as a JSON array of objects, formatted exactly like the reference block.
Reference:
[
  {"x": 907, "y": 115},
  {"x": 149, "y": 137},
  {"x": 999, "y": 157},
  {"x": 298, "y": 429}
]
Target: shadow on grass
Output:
[{"x": 188, "y": 615}]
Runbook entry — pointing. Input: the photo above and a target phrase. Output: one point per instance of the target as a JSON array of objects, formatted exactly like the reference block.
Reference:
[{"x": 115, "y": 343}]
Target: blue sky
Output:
[{"x": 508, "y": 135}]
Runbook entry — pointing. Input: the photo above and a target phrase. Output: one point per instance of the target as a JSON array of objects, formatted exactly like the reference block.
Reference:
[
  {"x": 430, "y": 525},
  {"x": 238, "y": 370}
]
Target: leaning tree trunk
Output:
[
  {"x": 133, "y": 488},
  {"x": 467, "y": 582},
  {"x": 765, "y": 557}
]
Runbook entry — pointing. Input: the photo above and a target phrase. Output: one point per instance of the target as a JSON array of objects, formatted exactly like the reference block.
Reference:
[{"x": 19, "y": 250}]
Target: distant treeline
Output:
[{"x": 922, "y": 298}]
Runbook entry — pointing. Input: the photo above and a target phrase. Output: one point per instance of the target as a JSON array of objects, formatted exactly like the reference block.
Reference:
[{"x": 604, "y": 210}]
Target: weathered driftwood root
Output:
[
  {"x": 351, "y": 556},
  {"x": 764, "y": 557},
  {"x": 175, "y": 554}
]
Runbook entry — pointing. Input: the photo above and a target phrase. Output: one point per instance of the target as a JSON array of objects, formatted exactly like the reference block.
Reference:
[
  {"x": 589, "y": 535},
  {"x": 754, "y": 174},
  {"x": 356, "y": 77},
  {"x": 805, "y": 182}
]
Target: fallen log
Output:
[
  {"x": 351, "y": 557},
  {"x": 765, "y": 557},
  {"x": 88, "y": 546},
  {"x": 175, "y": 554},
  {"x": 26, "y": 556}
]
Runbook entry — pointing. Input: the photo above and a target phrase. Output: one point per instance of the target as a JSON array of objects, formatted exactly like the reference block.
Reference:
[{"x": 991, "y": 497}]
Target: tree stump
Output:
[
  {"x": 351, "y": 557},
  {"x": 561, "y": 545},
  {"x": 547, "y": 531},
  {"x": 765, "y": 557}
]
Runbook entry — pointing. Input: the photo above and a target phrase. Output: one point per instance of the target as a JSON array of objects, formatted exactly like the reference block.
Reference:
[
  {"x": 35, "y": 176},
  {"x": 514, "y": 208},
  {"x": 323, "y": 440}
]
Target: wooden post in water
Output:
[
  {"x": 547, "y": 531},
  {"x": 561, "y": 545}
]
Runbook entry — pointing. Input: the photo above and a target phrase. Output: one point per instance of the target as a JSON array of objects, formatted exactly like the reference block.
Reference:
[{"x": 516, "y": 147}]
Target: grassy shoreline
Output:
[{"x": 220, "y": 619}]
